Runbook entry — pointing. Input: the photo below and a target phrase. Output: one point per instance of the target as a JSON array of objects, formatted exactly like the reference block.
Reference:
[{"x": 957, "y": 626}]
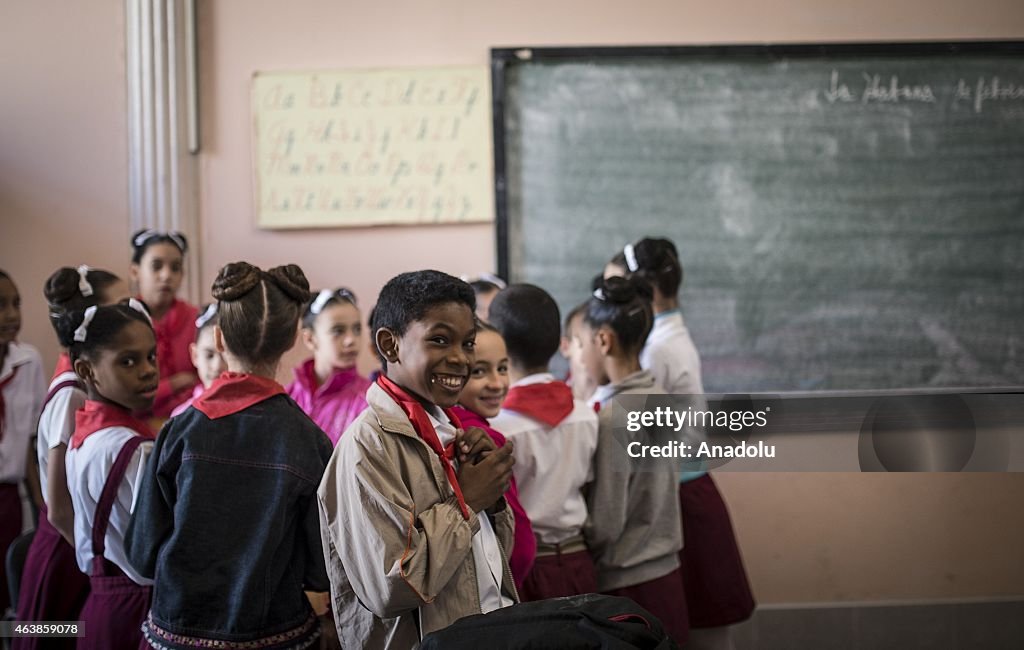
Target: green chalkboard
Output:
[{"x": 849, "y": 217}]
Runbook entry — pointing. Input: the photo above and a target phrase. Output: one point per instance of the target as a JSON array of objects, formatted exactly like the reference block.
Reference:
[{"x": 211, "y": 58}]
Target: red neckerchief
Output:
[
  {"x": 3, "y": 402},
  {"x": 550, "y": 401},
  {"x": 63, "y": 365},
  {"x": 103, "y": 415},
  {"x": 425, "y": 430},
  {"x": 233, "y": 392}
]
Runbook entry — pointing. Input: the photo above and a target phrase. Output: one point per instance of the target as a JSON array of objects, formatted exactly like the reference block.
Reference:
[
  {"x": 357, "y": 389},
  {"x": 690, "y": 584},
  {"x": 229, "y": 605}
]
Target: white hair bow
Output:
[{"x": 83, "y": 281}]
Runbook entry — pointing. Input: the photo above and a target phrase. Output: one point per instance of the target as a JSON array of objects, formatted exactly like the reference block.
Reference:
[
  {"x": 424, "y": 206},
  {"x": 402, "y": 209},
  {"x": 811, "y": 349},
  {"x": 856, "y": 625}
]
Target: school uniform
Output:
[
  {"x": 105, "y": 464},
  {"x": 555, "y": 438},
  {"x": 524, "y": 545},
  {"x": 405, "y": 554},
  {"x": 635, "y": 528},
  {"x": 52, "y": 586},
  {"x": 717, "y": 590},
  {"x": 226, "y": 521},
  {"x": 22, "y": 389},
  {"x": 334, "y": 404},
  {"x": 175, "y": 331}
]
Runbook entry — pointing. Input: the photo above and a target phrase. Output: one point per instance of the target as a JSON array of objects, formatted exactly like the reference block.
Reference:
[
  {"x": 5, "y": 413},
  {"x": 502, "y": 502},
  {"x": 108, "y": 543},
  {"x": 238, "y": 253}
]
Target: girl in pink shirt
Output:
[{"x": 328, "y": 387}]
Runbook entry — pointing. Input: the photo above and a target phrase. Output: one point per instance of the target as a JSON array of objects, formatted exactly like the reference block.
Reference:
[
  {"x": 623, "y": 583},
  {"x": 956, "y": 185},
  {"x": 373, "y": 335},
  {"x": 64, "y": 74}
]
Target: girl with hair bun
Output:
[
  {"x": 22, "y": 387},
  {"x": 634, "y": 530},
  {"x": 718, "y": 593},
  {"x": 226, "y": 521},
  {"x": 113, "y": 351},
  {"x": 52, "y": 586},
  {"x": 158, "y": 268}
]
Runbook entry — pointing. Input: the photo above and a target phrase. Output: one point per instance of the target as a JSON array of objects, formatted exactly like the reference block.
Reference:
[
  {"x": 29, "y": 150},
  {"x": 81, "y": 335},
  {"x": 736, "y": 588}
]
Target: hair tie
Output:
[
  {"x": 143, "y": 237},
  {"x": 139, "y": 307},
  {"x": 599, "y": 294},
  {"x": 321, "y": 300},
  {"x": 630, "y": 254},
  {"x": 206, "y": 316},
  {"x": 83, "y": 281},
  {"x": 178, "y": 240},
  {"x": 83, "y": 330}
]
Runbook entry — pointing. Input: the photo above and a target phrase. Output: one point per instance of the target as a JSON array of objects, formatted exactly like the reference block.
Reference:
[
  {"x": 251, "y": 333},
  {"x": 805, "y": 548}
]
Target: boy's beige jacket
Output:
[{"x": 399, "y": 552}]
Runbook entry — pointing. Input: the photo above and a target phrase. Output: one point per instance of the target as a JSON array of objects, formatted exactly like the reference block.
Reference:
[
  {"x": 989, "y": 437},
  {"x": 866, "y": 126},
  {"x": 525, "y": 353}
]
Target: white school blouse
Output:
[
  {"x": 671, "y": 356},
  {"x": 88, "y": 467},
  {"x": 486, "y": 552},
  {"x": 57, "y": 424},
  {"x": 552, "y": 465},
  {"x": 23, "y": 398}
]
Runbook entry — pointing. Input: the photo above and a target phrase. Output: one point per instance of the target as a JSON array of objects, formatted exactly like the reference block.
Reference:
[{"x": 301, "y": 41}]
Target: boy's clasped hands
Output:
[{"x": 485, "y": 470}]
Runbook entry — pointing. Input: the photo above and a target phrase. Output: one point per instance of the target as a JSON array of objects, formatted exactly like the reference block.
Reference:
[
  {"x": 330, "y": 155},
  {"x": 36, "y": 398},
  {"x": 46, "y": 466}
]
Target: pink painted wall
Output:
[{"x": 63, "y": 200}]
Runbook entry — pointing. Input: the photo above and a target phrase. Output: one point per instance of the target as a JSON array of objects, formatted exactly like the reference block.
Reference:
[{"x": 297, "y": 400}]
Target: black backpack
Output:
[{"x": 590, "y": 622}]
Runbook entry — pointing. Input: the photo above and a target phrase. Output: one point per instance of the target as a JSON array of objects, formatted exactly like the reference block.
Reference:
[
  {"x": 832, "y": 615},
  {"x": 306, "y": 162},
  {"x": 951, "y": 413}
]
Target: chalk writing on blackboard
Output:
[
  {"x": 373, "y": 147},
  {"x": 892, "y": 89}
]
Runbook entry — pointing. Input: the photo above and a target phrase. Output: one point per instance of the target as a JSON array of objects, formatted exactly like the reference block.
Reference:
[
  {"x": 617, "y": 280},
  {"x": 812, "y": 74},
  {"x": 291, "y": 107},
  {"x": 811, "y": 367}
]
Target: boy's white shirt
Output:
[
  {"x": 486, "y": 552},
  {"x": 551, "y": 466}
]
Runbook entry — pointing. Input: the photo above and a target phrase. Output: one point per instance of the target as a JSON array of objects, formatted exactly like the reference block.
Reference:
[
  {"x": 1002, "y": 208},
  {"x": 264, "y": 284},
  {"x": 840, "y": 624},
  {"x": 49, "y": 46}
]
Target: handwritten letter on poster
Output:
[{"x": 371, "y": 147}]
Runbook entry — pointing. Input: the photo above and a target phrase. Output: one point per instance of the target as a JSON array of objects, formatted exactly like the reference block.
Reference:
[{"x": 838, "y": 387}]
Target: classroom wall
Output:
[{"x": 63, "y": 199}]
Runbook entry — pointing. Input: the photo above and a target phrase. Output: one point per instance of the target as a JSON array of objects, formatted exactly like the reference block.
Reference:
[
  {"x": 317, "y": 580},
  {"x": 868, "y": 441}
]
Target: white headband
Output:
[
  {"x": 83, "y": 281},
  {"x": 82, "y": 332},
  {"x": 321, "y": 300},
  {"x": 630, "y": 256},
  {"x": 144, "y": 236},
  {"x": 206, "y": 316}
]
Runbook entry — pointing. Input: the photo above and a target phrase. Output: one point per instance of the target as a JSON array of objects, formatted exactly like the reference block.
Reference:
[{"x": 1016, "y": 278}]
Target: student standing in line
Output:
[
  {"x": 157, "y": 269},
  {"x": 113, "y": 351},
  {"x": 413, "y": 518},
  {"x": 52, "y": 586},
  {"x": 22, "y": 389},
  {"x": 634, "y": 528},
  {"x": 226, "y": 521},
  {"x": 555, "y": 437},
  {"x": 718, "y": 593},
  {"x": 328, "y": 387},
  {"x": 209, "y": 362},
  {"x": 481, "y": 399}
]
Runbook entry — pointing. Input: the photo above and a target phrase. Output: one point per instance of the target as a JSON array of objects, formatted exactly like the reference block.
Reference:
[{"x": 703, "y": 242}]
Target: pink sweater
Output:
[
  {"x": 334, "y": 405},
  {"x": 524, "y": 545},
  {"x": 174, "y": 332}
]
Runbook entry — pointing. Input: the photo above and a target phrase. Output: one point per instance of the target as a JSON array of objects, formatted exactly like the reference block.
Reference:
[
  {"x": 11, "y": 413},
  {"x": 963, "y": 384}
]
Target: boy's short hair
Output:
[
  {"x": 527, "y": 318},
  {"x": 407, "y": 297}
]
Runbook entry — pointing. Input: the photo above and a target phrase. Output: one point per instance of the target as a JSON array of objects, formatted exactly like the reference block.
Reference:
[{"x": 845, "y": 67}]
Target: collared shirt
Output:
[
  {"x": 88, "y": 467},
  {"x": 552, "y": 465},
  {"x": 333, "y": 405},
  {"x": 486, "y": 552},
  {"x": 23, "y": 398},
  {"x": 671, "y": 356},
  {"x": 57, "y": 423}
]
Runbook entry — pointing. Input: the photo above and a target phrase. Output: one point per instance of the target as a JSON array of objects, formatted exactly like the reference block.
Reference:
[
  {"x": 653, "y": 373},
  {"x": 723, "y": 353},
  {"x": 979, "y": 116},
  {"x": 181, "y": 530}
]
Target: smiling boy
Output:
[{"x": 413, "y": 539}]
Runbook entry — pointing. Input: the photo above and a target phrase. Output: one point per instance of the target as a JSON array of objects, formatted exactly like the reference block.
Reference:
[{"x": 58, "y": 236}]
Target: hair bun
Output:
[
  {"x": 290, "y": 279},
  {"x": 622, "y": 291},
  {"x": 235, "y": 280},
  {"x": 62, "y": 286}
]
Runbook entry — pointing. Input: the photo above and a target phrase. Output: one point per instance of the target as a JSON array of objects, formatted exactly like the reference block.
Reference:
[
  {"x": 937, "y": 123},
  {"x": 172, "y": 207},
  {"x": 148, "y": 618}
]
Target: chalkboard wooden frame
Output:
[{"x": 503, "y": 58}]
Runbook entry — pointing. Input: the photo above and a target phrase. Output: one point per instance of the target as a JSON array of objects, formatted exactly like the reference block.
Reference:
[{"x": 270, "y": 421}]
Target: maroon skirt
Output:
[
  {"x": 562, "y": 574},
  {"x": 52, "y": 586},
  {"x": 717, "y": 590},
  {"x": 664, "y": 597},
  {"x": 10, "y": 528},
  {"x": 114, "y": 613}
]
